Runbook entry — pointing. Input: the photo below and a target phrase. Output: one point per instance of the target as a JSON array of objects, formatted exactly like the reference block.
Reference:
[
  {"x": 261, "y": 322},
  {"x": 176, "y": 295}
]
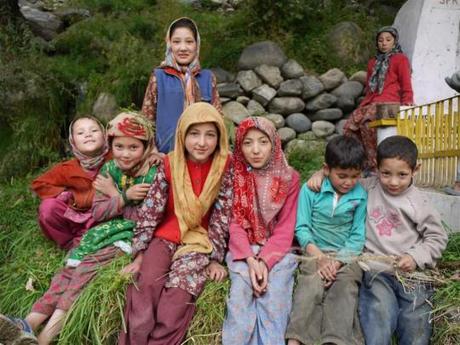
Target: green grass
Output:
[{"x": 96, "y": 318}]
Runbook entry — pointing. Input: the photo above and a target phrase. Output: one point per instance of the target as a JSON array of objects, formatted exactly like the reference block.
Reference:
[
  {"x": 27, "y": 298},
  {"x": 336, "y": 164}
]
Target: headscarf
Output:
[
  {"x": 379, "y": 72},
  {"x": 189, "y": 208},
  {"x": 89, "y": 162},
  {"x": 186, "y": 73},
  {"x": 134, "y": 125},
  {"x": 259, "y": 194}
]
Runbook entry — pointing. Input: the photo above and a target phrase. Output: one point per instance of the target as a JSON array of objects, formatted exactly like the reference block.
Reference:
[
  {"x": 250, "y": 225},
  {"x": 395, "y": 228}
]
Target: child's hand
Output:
[
  {"x": 138, "y": 192},
  {"x": 315, "y": 181},
  {"x": 406, "y": 263},
  {"x": 155, "y": 158},
  {"x": 216, "y": 271},
  {"x": 258, "y": 273},
  {"x": 327, "y": 269},
  {"x": 134, "y": 267},
  {"x": 105, "y": 185}
]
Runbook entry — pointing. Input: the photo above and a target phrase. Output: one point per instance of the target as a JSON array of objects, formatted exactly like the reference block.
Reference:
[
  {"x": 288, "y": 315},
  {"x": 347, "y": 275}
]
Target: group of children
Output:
[{"x": 176, "y": 199}]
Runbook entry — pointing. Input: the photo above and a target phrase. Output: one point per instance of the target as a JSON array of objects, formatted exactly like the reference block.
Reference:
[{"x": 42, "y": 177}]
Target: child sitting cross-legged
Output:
[
  {"x": 404, "y": 234},
  {"x": 116, "y": 204},
  {"x": 330, "y": 229}
]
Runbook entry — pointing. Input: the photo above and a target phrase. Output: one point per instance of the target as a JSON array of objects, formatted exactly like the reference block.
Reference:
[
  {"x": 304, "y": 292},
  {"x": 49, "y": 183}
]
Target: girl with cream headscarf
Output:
[
  {"x": 178, "y": 82},
  {"x": 182, "y": 232}
]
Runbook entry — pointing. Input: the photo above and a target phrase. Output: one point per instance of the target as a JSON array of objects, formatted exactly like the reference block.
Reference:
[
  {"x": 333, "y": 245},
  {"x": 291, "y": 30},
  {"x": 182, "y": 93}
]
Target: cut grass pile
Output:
[{"x": 28, "y": 262}]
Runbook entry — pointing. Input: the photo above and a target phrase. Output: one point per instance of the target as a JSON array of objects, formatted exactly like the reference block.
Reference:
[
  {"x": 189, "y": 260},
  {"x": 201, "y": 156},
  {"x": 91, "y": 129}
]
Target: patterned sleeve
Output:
[
  {"x": 150, "y": 213},
  {"x": 215, "y": 95},
  {"x": 220, "y": 218},
  {"x": 106, "y": 207},
  {"x": 149, "y": 106}
]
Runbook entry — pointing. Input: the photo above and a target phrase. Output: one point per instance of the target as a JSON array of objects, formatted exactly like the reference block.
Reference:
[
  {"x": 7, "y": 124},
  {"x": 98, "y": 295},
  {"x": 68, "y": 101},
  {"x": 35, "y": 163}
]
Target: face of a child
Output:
[
  {"x": 395, "y": 175},
  {"x": 256, "y": 148},
  {"x": 385, "y": 42},
  {"x": 343, "y": 180},
  {"x": 127, "y": 152},
  {"x": 88, "y": 137},
  {"x": 183, "y": 46},
  {"x": 201, "y": 141}
]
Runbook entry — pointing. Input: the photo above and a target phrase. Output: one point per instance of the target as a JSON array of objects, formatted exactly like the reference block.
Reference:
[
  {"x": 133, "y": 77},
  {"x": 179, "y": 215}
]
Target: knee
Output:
[{"x": 48, "y": 208}]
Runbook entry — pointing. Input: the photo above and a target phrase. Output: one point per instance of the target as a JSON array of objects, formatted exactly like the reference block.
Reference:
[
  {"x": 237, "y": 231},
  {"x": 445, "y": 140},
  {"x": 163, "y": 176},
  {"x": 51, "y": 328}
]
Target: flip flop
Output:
[
  {"x": 9, "y": 331},
  {"x": 451, "y": 191}
]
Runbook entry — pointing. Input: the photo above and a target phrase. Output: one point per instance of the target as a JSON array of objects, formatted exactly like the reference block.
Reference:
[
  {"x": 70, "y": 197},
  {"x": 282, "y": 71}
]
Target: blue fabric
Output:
[
  {"x": 170, "y": 104},
  {"x": 385, "y": 307},
  {"x": 263, "y": 320},
  {"x": 341, "y": 228}
]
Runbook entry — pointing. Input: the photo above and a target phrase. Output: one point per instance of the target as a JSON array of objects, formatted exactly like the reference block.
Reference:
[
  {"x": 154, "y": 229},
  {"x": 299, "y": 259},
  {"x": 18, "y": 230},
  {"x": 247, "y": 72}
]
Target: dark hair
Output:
[
  {"x": 184, "y": 23},
  {"x": 399, "y": 147},
  {"x": 344, "y": 152}
]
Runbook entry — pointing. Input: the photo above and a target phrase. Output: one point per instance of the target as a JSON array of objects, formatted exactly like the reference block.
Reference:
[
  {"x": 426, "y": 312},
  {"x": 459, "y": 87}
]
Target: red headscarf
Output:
[{"x": 259, "y": 194}]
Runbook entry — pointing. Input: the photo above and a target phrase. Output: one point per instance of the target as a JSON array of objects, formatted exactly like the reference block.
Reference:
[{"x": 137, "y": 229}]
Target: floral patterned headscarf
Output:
[
  {"x": 259, "y": 194},
  {"x": 186, "y": 73},
  {"x": 131, "y": 124},
  {"x": 89, "y": 162},
  {"x": 382, "y": 63}
]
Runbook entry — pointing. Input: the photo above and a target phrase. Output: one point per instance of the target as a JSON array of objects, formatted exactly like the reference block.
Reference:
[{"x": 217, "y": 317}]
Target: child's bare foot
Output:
[{"x": 293, "y": 342}]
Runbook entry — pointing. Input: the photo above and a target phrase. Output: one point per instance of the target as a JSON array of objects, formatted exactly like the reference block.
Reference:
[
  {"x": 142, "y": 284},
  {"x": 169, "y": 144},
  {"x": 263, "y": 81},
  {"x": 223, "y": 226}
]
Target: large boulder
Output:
[
  {"x": 339, "y": 126},
  {"x": 263, "y": 94},
  {"x": 322, "y": 129},
  {"x": 222, "y": 76},
  {"x": 255, "y": 108},
  {"x": 347, "y": 41},
  {"x": 292, "y": 87},
  {"x": 277, "y": 119},
  {"x": 291, "y": 70},
  {"x": 360, "y": 76},
  {"x": 298, "y": 122},
  {"x": 312, "y": 87},
  {"x": 235, "y": 111},
  {"x": 105, "y": 107},
  {"x": 248, "y": 80},
  {"x": 322, "y": 101},
  {"x": 286, "y": 105},
  {"x": 286, "y": 134},
  {"x": 332, "y": 78},
  {"x": 329, "y": 114},
  {"x": 270, "y": 75},
  {"x": 229, "y": 90},
  {"x": 44, "y": 24},
  {"x": 266, "y": 52},
  {"x": 347, "y": 94}
]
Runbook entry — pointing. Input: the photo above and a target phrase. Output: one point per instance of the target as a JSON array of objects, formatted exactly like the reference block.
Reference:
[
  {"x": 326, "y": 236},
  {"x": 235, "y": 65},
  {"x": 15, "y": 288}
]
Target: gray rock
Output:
[
  {"x": 312, "y": 86},
  {"x": 263, "y": 94},
  {"x": 348, "y": 42},
  {"x": 339, "y": 126},
  {"x": 298, "y": 122},
  {"x": 286, "y": 134},
  {"x": 286, "y": 105},
  {"x": 332, "y": 78},
  {"x": 224, "y": 99},
  {"x": 266, "y": 52},
  {"x": 222, "y": 76},
  {"x": 347, "y": 94},
  {"x": 255, "y": 108},
  {"x": 328, "y": 114},
  {"x": 322, "y": 129},
  {"x": 45, "y": 24},
  {"x": 292, "y": 87},
  {"x": 248, "y": 80},
  {"x": 277, "y": 119},
  {"x": 235, "y": 111},
  {"x": 332, "y": 136},
  {"x": 244, "y": 100},
  {"x": 105, "y": 107},
  {"x": 270, "y": 75},
  {"x": 230, "y": 90},
  {"x": 360, "y": 76},
  {"x": 322, "y": 101},
  {"x": 291, "y": 70}
]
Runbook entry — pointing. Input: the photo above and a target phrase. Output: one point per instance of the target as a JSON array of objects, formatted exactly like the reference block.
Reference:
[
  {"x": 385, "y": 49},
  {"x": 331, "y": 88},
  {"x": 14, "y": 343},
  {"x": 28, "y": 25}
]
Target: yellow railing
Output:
[{"x": 435, "y": 128}]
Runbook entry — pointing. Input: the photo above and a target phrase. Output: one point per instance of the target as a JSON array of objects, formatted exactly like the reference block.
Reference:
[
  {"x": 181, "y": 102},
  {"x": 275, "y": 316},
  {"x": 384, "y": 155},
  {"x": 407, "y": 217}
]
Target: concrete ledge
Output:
[{"x": 447, "y": 205}]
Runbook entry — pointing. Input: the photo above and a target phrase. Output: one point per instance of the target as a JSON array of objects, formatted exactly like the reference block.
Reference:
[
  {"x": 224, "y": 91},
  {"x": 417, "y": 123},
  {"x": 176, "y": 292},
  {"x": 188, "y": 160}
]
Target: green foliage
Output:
[{"x": 306, "y": 162}]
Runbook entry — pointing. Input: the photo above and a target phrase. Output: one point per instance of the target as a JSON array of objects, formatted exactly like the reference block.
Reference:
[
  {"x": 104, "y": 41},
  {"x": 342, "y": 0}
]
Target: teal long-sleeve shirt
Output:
[{"x": 331, "y": 224}]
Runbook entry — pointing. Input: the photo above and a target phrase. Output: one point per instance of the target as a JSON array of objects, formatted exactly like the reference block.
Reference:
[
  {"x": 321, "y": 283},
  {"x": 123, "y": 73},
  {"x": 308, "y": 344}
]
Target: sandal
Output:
[{"x": 451, "y": 191}]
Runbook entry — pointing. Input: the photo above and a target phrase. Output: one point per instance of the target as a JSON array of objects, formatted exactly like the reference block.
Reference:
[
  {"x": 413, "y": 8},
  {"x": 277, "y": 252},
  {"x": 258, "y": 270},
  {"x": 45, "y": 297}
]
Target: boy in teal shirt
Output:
[{"x": 330, "y": 228}]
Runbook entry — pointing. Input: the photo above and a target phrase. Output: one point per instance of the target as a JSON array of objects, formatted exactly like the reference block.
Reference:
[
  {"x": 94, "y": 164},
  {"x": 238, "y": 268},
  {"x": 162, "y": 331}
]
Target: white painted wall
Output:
[{"x": 430, "y": 36}]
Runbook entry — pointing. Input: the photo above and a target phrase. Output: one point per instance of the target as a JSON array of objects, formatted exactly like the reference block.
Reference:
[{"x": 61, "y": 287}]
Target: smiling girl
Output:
[
  {"x": 67, "y": 189},
  {"x": 182, "y": 232},
  {"x": 178, "y": 82},
  {"x": 388, "y": 81}
]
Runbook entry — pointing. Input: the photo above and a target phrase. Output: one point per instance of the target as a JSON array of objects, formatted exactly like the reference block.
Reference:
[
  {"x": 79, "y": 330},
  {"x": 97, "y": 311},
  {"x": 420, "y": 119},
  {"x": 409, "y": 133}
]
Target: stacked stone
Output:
[{"x": 303, "y": 107}]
